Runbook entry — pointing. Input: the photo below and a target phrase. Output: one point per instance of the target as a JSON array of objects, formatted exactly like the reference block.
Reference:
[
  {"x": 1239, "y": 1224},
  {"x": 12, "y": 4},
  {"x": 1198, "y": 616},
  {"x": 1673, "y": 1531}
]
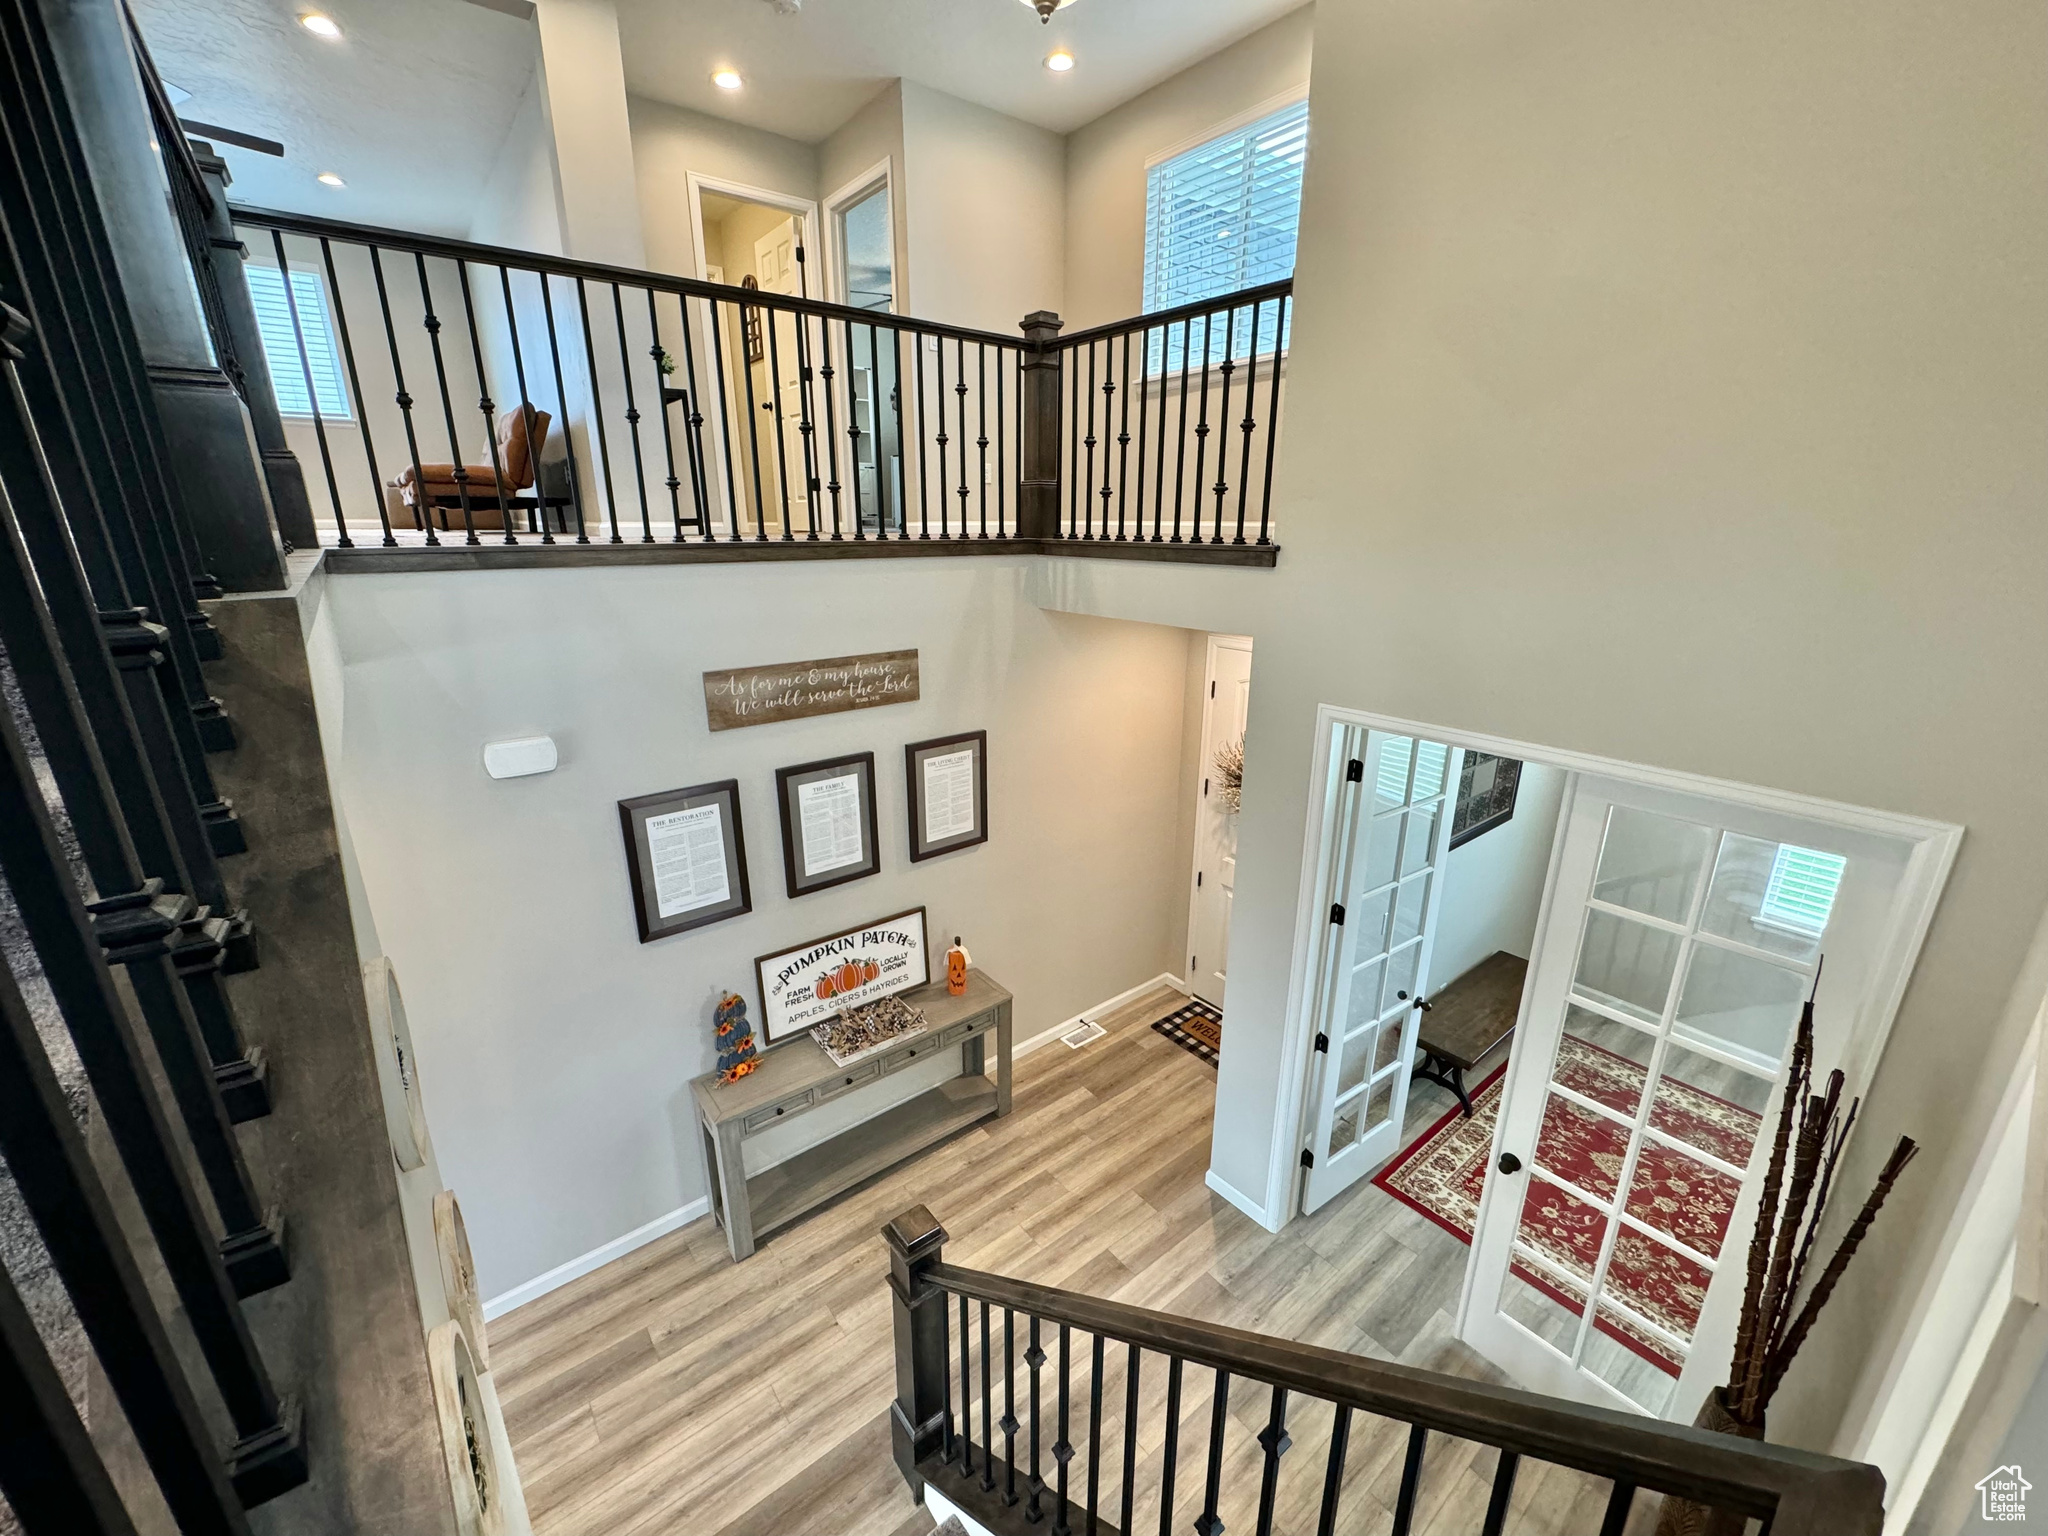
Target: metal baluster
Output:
[
  {"x": 945, "y": 1376},
  {"x": 1034, "y": 1357},
  {"x": 754, "y": 408},
  {"x": 781, "y": 437},
  {"x": 960, "y": 390},
  {"x": 1222, "y": 447},
  {"x": 1108, "y": 419},
  {"x": 1273, "y": 421},
  {"x": 291, "y": 300},
  {"x": 604, "y": 451},
  {"x": 1088, "y": 442},
  {"x": 1123, "y": 444},
  {"x": 1411, "y": 1481},
  {"x": 432, "y": 324},
  {"x": 853, "y": 432},
  {"x": 1274, "y": 1442},
  {"x": 966, "y": 1395},
  {"x": 1130, "y": 1439},
  {"x": 1503, "y": 1487},
  {"x": 632, "y": 415},
  {"x": 547, "y": 304},
  {"x": 1169, "y": 1453},
  {"x": 988, "y": 1417},
  {"x": 924, "y": 520},
  {"x": 1076, "y": 493},
  {"x": 896, "y": 406},
  {"x": 1180, "y": 446},
  {"x": 725, "y": 422},
  {"x": 700, "y": 466},
  {"x": 1094, "y": 1434},
  {"x": 659, "y": 354},
  {"x": 981, "y": 440},
  {"x": 1619, "y": 1499},
  {"x": 485, "y": 408},
  {"x": 1219, "y": 1418},
  {"x": 1062, "y": 1448},
  {"x": 1008, "y": 1422},
  {"x": 526, "y": 410},
  {"x": 49, "y": 1472},
  {"x": 1333, "y": 1474},
  {"x": 1144, "y": 412},
  {"x": 1251, "y": 396},
  {"x": 806, "y": 425},
  {"x": 1202, "y": 422},
  {"x": 827, "y": 374},
  {"x": 945, "y": 527},
  {"x": 355, "y": 389}
]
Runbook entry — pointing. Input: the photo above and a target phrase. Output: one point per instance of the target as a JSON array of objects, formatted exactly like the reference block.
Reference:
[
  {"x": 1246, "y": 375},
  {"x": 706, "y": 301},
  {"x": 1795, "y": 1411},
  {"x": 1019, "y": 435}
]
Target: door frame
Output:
[
  {"x": 881, "y": 174},
  {"x": 1933, "y": 845},
  {"x": 697, "y": 184},
  {"x": 1216, "y": 643}
]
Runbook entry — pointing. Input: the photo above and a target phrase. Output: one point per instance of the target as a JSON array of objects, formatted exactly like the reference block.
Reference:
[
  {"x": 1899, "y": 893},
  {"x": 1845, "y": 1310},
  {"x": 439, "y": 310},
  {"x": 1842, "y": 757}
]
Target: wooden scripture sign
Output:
[
  {"x": 799, "y": 689},
  {"x": 801, "y": 986}
]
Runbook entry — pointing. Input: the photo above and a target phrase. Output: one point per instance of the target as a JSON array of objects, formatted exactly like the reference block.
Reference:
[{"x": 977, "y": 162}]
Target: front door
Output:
[
  {"x": 1678, "y": 941},
  {"x": 1224, "y": 708},
  {"x": 1392, "y": 833}
]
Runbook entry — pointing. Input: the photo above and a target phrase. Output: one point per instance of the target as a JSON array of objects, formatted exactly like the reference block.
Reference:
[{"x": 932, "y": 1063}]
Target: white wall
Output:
[
  {"x": 520, "y": 205},
  {"x": 863, "y": 141},
  {"x": 583, "y": 82},
  {"x": 1494, "y": 884},
  {"x": 555, "y": 1049},
  {"x": 670, "y": 142},
  {"x": 1105, "y": 169},
  {"x": 1668, "y": 385}
]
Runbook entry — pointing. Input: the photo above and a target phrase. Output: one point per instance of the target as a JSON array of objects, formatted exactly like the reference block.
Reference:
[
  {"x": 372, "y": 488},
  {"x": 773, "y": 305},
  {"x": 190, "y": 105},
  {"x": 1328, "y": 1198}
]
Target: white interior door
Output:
[
  {"x": 1393, "y": 831},
  {"x": 1680, "y": 937},
  {"x": 780, "y": 372},
  {"x": 1224, "y": 709}
]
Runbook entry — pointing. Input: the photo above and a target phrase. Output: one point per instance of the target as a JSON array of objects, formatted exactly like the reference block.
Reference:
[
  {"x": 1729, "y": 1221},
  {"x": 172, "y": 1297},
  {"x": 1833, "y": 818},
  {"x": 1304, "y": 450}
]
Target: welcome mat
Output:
[
  {"x": 1195, "y": 1026},
  {"x": 1442, "y": 1172}
]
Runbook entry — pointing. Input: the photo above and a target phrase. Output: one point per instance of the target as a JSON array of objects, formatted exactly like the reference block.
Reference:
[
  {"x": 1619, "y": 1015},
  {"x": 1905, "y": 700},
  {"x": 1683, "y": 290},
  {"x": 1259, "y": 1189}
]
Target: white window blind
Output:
[
  {"x": 1224, "y": 216},
  {"x": 1801, "y": 890},
  {"x": 281, "y": 347}
]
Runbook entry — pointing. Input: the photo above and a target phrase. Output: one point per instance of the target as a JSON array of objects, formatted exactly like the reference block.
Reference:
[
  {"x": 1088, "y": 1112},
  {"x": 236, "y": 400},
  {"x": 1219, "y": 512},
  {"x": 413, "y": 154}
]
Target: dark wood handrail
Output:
[
  {"x": 1799, "y": 1492},
  {"x": 1244, "y": 298}
]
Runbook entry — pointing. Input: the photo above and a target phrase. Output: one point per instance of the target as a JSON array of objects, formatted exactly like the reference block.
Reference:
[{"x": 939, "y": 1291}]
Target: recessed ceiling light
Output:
[
  {"x": 329, "y": 179},
  {"x": 321, "y": 25},
  {"x": 1059, "y": 61},
  {"x": 727, "y": 79}
]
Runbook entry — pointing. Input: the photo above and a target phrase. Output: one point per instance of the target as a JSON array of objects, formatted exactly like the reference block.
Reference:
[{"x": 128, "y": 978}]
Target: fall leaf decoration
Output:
[{"x": 1229, "y": 765}]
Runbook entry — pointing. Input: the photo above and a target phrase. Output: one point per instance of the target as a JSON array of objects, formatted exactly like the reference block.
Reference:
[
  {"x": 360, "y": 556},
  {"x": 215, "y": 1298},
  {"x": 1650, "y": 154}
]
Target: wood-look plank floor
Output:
[{"x": 675, "y": 1392}]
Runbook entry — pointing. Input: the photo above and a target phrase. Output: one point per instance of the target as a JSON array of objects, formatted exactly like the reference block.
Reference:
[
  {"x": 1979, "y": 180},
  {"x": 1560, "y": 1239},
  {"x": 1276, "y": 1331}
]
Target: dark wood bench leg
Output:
[
  {"x": 1458, "y": 1087},
  {"x": 1435, "y": 1069}
]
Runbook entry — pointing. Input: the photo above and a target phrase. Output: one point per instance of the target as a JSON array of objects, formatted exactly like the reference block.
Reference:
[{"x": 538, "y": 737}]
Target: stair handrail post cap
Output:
[{"x": 915, "y": 1234}]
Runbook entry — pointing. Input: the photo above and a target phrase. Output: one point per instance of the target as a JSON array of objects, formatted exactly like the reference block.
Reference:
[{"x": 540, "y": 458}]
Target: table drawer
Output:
[
  {"x": 850, "y": 1079},
  {"x": 769, "y": 1113},
  {"x": 955, "y": 1033},
  {"x": 923, "y": 1048}
]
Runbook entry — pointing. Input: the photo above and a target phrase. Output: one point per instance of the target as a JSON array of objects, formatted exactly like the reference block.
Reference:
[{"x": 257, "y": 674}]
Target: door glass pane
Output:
[
  {"x": 1382, "y": 842},
  {"x": 1682, "y": 1197},
  {"x": 1706, "y": 1104},
  {"x": 1659, "y": 1282},
  {"x": 1560, "y": 1226},
  {"x": 1582, "y": 1146},
  {"x": 1773, "y": 896},
  {"x": 1430, "y": 758},
  {"x": 1626, "y": 965},
  {"x": 1369, "y": 937},
  {"x": 1400, "y": 976},
  {"x": 1419, "y": 851},
  {"x": 1605, "y": 1061},
  {"x": 1408, "y": 909},
  {"x": 1545, "y": 1304},
  {"x": 1651, "y": 863},
  {"x": 1390, "y": 784},
  {"x": 1379, "y": 1103},
  {"x": 1357, "y": 1059},
  {"x": 1344, "y": 1131},
  {"x": 1615, "y": 1352},
  {"x": 1390, "y": 1046},
  {"x": 1740, "y": 1003},
  {"x": 1365, "y": 994}
]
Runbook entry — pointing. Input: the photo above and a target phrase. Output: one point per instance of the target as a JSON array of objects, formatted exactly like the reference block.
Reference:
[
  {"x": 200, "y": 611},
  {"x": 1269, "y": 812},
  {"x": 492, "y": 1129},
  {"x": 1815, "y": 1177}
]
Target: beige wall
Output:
[
  {"x": 583, "y": 80},
  {"x": 1105, "y": 172},
  {"x": 1717, "y": 332},
  {"x": 670, "y": 142},
  {"x": 865, "y": 140}
]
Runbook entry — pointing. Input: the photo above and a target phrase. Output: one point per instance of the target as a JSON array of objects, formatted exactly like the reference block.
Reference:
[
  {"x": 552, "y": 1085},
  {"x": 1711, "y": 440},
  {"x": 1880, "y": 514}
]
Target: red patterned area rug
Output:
[{"x": 1442, "y": 1172}]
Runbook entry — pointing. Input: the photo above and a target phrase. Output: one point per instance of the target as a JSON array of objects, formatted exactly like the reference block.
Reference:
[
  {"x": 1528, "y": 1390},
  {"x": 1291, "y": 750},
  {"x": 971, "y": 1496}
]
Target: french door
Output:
[
  {"x": 1393, "y": 820},
  {"x": 1679, "y": 939}
]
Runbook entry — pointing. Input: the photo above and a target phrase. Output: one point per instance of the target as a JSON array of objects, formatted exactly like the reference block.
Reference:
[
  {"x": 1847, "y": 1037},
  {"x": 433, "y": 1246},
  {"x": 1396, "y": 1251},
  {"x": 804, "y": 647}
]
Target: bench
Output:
[{"x": 1468, "y": 1019}]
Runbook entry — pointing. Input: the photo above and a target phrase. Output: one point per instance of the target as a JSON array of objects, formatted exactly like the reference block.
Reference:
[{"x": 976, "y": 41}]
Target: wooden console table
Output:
[{"x": 797, "y": 1077}]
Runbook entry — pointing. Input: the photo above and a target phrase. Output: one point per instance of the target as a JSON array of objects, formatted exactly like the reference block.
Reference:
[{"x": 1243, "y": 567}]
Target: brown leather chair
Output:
[{"x": 436, "y": 494}]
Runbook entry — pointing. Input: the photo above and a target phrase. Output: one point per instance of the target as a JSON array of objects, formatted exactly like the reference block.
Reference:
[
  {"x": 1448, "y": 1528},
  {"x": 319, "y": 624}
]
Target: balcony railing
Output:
[{"x": 668, "y": 411}]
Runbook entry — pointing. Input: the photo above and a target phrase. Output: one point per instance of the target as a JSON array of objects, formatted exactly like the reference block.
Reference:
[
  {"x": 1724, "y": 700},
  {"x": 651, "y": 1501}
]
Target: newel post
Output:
[
  {"x": 917, "y": 1419},
  {"x": 1038, "y": 465}
]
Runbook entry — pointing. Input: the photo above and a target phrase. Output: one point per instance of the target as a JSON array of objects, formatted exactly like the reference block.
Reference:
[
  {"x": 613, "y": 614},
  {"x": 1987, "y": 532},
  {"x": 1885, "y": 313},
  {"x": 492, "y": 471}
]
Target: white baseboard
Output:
[
  {"x": 1108, "y": 1005},
  {"x": 1240, "y": 1199},
  {"x": 942, "y": 1507},
  {"x": 597, "y": 1258}
]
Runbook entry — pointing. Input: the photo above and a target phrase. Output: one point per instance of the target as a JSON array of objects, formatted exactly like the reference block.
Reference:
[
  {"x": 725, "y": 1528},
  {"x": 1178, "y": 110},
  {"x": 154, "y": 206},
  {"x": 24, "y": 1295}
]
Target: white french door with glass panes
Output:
[
  {"x": 1394, "y": 829},
  {"x": 1679, "y": 939}
]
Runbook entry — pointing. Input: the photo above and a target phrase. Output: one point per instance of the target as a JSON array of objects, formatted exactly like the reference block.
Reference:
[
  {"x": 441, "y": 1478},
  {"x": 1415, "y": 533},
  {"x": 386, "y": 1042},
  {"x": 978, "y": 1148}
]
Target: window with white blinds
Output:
[
  {"x": 1801, "y": 891},
  {"x": 281, "y": 347},
  {"x": 1224, "y": 216}
]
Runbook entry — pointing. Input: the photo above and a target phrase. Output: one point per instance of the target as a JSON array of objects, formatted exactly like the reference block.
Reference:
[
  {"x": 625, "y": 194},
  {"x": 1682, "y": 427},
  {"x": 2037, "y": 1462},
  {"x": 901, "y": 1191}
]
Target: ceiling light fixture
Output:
[
  {"x": 329, "y": 179},
  {"x": 1059, "y": 61},
  {"x": 1045, "y": 8},
  {"x": 321, "y": 25},
  {"x": 727, "y": 79}
]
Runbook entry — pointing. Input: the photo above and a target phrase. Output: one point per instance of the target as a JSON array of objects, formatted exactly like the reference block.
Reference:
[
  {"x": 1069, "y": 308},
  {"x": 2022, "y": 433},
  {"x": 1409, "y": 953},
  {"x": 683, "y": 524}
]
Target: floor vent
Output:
[{"x": 1088, "y": 1033}]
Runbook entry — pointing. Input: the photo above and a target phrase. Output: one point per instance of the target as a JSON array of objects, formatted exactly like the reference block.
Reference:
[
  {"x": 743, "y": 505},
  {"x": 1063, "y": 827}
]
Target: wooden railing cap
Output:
[{"x": 914, "y": 1232}]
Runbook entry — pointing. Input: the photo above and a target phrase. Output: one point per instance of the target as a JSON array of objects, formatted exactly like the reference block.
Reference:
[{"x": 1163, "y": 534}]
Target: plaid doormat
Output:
[{"x": 1197, "y": 1026}]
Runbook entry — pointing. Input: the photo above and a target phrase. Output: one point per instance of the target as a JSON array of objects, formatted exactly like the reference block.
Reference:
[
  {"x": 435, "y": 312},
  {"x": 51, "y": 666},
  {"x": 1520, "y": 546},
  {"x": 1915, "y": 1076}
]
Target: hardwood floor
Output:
[{"x": 676, "y": 1392}]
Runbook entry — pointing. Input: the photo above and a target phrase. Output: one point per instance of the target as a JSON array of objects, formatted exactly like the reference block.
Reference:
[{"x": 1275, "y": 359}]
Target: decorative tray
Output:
[{"x": 856, "y": 1033}]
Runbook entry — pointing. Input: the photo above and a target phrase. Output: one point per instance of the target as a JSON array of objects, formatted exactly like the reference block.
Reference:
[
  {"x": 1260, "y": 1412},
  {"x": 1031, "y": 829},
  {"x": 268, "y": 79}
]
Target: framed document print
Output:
[
  {"x": 828, "y": 822},
  {"x": 948, "y": 780},
  {"x": 687, "y": 857}
]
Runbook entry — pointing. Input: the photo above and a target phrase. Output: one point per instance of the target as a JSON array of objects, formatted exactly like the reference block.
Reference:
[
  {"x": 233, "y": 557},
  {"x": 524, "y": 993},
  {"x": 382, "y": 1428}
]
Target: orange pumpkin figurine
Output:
[{"x": 957, "y": 961}]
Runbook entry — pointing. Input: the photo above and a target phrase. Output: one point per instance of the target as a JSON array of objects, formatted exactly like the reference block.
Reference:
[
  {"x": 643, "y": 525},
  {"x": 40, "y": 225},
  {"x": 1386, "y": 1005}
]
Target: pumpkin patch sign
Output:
[{"x": 814, "y": 981}]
